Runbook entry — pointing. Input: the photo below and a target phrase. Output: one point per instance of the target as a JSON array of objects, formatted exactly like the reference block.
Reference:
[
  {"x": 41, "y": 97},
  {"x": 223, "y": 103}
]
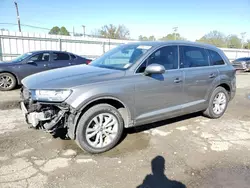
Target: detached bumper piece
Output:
[{"x": 49, "y": 117}]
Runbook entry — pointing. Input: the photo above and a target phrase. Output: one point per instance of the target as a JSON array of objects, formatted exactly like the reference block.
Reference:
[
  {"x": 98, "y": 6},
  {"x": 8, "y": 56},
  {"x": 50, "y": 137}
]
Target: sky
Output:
[{"x": 194, "y": 18}]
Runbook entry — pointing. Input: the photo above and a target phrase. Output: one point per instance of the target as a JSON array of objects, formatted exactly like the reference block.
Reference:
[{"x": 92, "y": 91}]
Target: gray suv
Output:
[{"x": 131, "y": 85}]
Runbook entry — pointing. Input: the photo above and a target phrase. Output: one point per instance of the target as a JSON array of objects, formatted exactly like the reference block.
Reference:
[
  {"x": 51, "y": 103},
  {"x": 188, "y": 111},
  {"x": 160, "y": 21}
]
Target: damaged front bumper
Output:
[{"x": 51, "y": 117}]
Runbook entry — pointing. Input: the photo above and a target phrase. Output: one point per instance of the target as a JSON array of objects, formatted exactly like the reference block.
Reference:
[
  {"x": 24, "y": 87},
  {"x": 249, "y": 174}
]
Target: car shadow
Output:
[
  {"x": 161, "y": 123},
  {"x": 158, "y": 179}
]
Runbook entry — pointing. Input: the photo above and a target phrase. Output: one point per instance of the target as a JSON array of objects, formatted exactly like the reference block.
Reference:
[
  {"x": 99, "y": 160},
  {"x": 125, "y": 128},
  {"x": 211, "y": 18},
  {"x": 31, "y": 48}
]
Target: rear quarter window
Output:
[{"x": 215, "y": 58}]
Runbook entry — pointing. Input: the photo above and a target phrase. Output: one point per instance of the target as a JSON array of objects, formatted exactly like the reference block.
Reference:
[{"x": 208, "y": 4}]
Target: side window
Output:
[
  {"x": 40, "y": 57},
  {"x": 215, "y": 58},
  {"x": 72, "y": 56},
  {"x": 60, "y": 56},
  {"x": 193, "y": 57},
  {"x": 166, "y": 56}
]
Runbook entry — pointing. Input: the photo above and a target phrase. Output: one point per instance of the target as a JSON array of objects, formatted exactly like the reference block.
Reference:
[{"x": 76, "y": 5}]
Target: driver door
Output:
[
  {"x": 159, "y": 96},
  {"x": 36, "y": 63}
]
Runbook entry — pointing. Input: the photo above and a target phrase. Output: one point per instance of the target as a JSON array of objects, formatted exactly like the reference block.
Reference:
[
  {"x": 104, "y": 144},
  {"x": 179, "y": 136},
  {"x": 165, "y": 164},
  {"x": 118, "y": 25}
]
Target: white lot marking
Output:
[
  {"x": 206, "y": 135},
  {"x": 3, "y": 158},
  {"x": 160, "y": 133},
  {"x": 85, "y": 161},
  {"x": 20, "y": 153},
  {"x": 69, "y": 152},
  {"x": 54, "y": 164},
  {"x": 183, "y": 128},
  {"x": 219, "y": 146},
  {"x": 39, "y": 162}
]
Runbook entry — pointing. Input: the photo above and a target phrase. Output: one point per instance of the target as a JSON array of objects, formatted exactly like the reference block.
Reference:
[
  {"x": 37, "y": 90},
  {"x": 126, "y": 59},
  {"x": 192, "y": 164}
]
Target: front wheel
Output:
[
  {"x": 99, "y": 129},
  {"x": 218, "y": 103}
]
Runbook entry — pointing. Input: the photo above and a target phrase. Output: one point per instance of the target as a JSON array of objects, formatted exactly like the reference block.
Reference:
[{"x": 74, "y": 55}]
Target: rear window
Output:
[
  {"x": 193, "y": 57},
  {"x": 215, "y": 58},
  {"x": 60, "y": 56}
]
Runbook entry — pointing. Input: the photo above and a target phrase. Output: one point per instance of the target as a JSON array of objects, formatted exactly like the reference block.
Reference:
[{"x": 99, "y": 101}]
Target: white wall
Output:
[{"x": 16, "y": 43}]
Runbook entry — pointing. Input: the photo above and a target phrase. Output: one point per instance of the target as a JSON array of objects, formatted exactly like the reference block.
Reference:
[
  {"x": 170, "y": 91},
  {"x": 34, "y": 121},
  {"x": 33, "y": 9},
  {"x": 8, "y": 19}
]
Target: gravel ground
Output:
[{"x": 189, "y": 151}]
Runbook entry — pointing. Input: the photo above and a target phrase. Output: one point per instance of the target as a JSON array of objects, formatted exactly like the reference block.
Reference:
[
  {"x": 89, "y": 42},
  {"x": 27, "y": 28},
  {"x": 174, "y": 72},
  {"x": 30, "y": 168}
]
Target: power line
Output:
[{"x": 26, "y": 25}]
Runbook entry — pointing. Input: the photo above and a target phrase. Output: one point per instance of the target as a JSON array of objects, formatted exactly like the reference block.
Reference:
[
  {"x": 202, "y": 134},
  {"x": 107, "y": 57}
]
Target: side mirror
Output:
[
  {"x": 30, "y": 61},
  {"x": 154, "y": 69}
]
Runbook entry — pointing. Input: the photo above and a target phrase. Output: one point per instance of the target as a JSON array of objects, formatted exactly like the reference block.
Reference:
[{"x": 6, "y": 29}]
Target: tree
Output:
[
  {"x": 144, "y": 38},
  {"x": 215, "y": 38},
  {"x": 59, "y": 31},
  {"x": 4, "y": 29},
  {"x": 173, "y": 36},
  {"x": 114, "y": 32},
  {"x": 233, "y": 41},
  {"x": 55, "y": 31},
  {"x": 63, "y": 31},
  {"x": 247, "y": 44}
]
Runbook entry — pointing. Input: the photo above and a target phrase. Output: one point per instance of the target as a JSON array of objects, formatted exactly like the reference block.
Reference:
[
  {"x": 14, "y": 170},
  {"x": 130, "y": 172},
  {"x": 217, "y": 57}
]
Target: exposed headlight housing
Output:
[{"x": 51, "y": 95}]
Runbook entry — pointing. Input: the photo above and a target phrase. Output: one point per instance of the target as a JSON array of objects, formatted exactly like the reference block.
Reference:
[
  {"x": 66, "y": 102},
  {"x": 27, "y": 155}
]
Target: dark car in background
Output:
[
  {"x": 12, "y": 72},
  {"x": 242, "y": 63}
]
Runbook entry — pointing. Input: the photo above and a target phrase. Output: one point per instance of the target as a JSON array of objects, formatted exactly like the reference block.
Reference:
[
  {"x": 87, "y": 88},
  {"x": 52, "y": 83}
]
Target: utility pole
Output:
[
  {"x": 18, "y": 17},
  {"x": 175, "y": 29},
  {"x": 83, "y": 26}
]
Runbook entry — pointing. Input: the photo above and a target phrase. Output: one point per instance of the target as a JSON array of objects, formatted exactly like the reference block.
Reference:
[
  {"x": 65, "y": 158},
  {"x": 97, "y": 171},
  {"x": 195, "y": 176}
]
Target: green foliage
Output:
[
  {"x": 144, "y": 38},
  {"x": 63, "y": 31},
  {"x": 247, "y": 45},
  {"x": 55, "y": 31},
  {"x": 114, "y": 32},
  {"x": 233, "y": 41},
  {"x": 173, "y": 36},
  {"x": 59, "y": 31},
  {"x": 215, "y": 38}
]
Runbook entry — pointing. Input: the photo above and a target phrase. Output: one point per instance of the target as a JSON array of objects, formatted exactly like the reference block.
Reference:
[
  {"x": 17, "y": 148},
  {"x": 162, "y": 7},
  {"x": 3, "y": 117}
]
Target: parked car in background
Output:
[
  {"x": 12, "y": 72},
  {"x": 242, "y": 63},
  {"x": 131, "y": 85}
]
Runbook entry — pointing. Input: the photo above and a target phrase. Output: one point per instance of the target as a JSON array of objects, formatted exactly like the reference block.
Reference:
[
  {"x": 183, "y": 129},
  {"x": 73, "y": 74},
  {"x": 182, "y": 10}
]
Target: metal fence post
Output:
[
  {"x": 60, "y": 44},
  {"x": 103, "y": 47},
  {"x": 1, "y": 51}
]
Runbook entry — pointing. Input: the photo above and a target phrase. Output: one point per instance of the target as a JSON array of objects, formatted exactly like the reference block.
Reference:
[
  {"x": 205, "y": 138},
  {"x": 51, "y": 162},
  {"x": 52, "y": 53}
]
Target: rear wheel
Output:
[
  {"x": 7, "y": 82},
  {"x": 99, "y": 129},
  {"x": 218, "y": 103}
]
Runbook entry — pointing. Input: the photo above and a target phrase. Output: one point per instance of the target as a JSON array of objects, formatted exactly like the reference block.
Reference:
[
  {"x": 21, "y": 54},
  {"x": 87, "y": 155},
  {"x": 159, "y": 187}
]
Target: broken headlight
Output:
[{"x": 51, "y": 95}]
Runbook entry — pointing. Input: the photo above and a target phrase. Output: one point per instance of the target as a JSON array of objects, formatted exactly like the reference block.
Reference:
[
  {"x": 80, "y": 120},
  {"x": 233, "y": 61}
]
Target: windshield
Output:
[
  {"x": 121, "y": 57},
  {"x": 21, "y": 57}
]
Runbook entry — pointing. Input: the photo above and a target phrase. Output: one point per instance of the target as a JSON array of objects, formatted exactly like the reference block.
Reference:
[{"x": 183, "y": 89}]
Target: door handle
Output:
[
  {"x": 212, "y": 75},
  {"x": 45, "y": 65},
  {"x": 177, "y": 80}
]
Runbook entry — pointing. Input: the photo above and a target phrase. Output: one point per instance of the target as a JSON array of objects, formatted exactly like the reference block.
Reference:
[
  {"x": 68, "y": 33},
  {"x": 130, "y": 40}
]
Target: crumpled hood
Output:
[{"x": 69, "y": 77}]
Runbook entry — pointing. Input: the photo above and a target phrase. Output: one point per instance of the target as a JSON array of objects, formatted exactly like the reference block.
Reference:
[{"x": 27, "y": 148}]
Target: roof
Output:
[
  {"x": 40, "y": 51},
  {"x": 177, "y": 42}
]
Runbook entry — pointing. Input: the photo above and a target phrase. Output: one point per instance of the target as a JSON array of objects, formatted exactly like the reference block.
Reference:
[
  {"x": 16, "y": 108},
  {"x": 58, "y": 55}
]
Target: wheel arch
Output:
[
  {"x": 16, "y": 77},
  {"x": 113, "y": 101}
]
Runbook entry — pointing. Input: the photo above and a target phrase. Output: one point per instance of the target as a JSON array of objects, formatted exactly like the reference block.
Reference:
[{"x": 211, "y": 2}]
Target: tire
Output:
[
  {"x": 210, "y": 112},
  {"x": 12, "y": 81},
  {"x": 87, "y": 120}
]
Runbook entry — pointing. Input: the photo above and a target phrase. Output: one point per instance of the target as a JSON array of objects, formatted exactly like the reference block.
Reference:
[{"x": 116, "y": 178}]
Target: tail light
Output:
[{"x": 88, "y": 61}]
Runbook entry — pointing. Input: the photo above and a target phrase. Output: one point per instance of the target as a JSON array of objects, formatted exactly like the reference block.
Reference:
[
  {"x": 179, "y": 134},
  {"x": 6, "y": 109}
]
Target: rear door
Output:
[
  {"x": 198, "y": 77},
  {"x": 59, "y": 59}
]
